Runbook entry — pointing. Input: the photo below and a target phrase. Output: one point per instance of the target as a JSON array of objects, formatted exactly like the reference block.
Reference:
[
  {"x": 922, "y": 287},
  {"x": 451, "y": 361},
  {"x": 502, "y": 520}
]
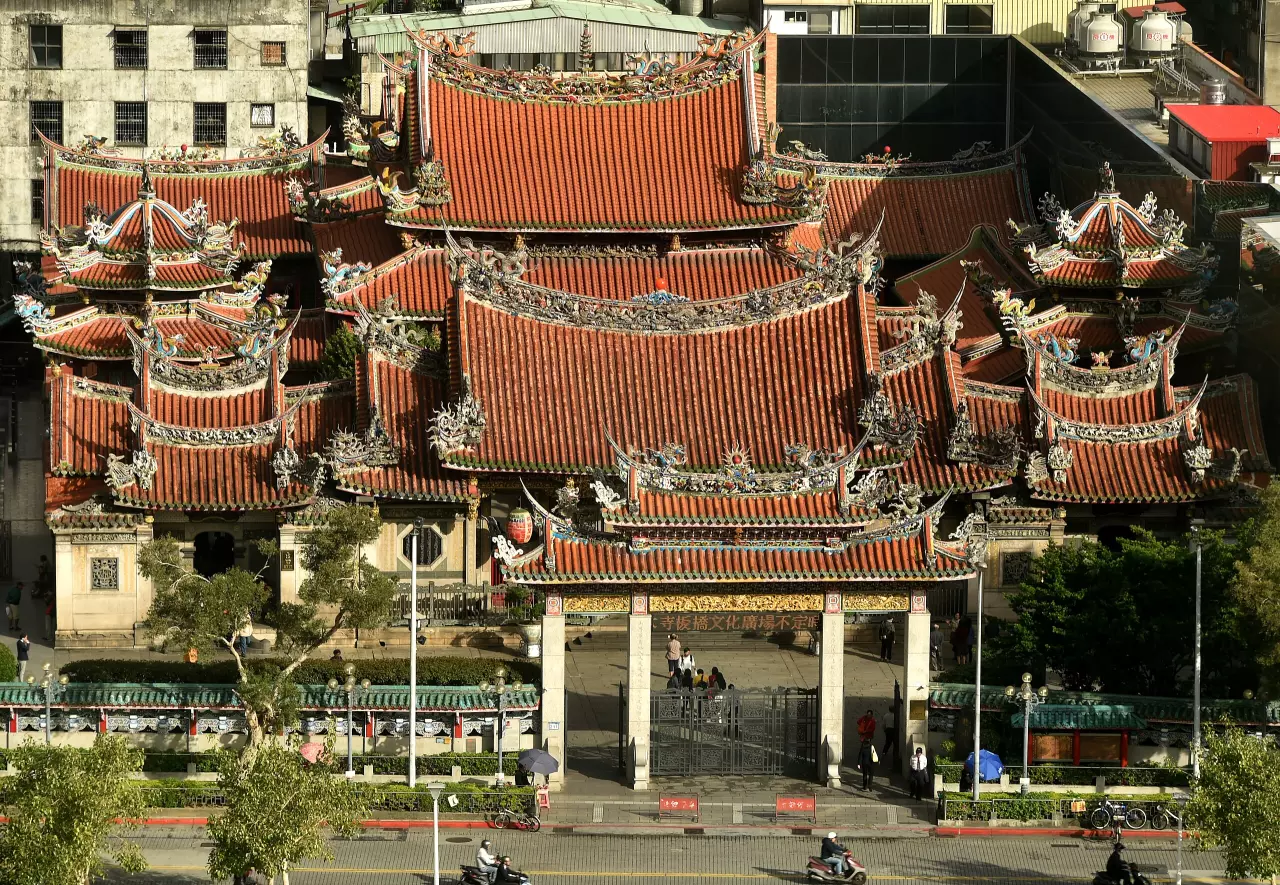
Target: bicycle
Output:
[
  {"x": 505, "y": 818},
  {"x": 1163, "y": 817},
  {"x": 1117, "y": 815}
]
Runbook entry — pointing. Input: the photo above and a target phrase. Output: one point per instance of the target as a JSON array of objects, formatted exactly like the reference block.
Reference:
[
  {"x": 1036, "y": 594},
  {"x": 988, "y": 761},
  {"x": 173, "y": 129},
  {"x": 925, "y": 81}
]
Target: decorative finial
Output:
[
  {"x": 145, "y": 189},
  {"x": 1108, "y": 178}
]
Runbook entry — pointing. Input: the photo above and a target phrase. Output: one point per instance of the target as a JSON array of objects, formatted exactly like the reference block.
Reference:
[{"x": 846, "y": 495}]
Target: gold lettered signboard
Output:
[{"x": 737, "y": 622}]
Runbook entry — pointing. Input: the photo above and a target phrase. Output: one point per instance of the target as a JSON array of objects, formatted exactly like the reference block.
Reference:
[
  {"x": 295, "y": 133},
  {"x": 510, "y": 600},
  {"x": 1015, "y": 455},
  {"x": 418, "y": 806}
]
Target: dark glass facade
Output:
[{"x": 928, "y": 96}]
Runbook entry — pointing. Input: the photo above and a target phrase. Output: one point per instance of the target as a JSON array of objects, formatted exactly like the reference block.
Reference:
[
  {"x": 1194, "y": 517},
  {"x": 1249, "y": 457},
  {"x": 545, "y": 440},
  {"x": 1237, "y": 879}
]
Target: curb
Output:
[{"x": 1068, "y": 832}]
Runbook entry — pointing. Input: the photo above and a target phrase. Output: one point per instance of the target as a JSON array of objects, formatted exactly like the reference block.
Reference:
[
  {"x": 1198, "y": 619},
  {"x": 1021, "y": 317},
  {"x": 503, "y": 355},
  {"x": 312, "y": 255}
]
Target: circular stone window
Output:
[{"x": 430, "y": 546}]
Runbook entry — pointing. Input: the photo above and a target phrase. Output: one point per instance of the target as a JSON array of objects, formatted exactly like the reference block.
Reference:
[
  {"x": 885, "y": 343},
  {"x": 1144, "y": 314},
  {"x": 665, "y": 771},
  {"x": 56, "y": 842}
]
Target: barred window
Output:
[
  {"x": 131, "y": 49},
  {"x": 37, "y": 200},
  {"x": 46, "y": 117},
  {"x": 131, "y": 122},
  {"x": 262, "y": 116},
  {"x": 46, "y": 46},
  {"x": 273, "y": 53},
  {"x": 211, "y": 49},
  {"x": 210, "y": 123}
]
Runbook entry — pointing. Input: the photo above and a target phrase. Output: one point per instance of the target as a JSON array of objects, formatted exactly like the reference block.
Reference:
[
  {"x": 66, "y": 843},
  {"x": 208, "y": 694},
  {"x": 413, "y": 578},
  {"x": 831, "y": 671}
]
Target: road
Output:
[{"x": 403, "y": 857}]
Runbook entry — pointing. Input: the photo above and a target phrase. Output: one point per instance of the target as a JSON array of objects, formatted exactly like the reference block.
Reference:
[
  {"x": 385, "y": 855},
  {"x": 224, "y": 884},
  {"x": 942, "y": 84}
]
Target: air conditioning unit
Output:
[{"x": 1273, "y": 149}]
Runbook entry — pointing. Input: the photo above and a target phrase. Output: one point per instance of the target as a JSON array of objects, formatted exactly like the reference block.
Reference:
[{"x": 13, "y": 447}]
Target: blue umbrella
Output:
[{"x": 990, "y": 767}]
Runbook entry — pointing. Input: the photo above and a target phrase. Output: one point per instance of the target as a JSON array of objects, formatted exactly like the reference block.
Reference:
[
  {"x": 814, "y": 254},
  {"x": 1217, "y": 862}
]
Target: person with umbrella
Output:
[{"x": 536, "y": 761}]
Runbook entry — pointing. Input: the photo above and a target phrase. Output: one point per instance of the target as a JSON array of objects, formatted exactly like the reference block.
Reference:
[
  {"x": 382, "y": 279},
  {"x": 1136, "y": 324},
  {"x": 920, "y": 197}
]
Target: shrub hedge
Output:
[
  {"x": 1037, "y": 806},
  {"x": 8, "y": 665},
  {"x": 472, "y": 798},
  {"x": 472, "y": 764},
  {"x": 1070, "y": 775},
  {"x": 380, "y": 671}
]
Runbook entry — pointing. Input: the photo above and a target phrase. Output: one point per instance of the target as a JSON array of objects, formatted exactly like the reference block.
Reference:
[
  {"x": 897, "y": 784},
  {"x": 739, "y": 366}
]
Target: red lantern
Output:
[{"x": 520, "y": 525}]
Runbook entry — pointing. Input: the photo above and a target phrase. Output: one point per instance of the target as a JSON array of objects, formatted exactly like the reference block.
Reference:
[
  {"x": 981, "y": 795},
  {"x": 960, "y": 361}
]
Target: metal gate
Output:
[{"x": 746, "y": 731}]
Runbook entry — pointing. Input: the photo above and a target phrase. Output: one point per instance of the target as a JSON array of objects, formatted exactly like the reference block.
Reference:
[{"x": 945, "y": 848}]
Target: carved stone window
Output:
[
  {"x": 430, "y": 546},
  {"x": 1015, "y": 568},
  {"x": 104, "y": 573}
]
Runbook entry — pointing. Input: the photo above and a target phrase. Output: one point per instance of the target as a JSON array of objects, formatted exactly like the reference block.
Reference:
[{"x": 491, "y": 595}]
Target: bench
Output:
[{"x": 804, "y": 806}]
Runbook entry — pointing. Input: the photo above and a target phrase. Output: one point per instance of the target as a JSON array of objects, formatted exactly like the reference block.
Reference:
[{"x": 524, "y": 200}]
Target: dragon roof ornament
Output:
[
  {"x": 1169, "y": 427},
  {"x": 458, "y": 425},
  {"x": 184, "y": 161},
  {"x": 927, "y": 333},
  {"x": 386, "y": 334},
  {"x": 886, "y": 426},
  {"x": 1000, "y": 450},
  {"x": 1055, "y": 357}
]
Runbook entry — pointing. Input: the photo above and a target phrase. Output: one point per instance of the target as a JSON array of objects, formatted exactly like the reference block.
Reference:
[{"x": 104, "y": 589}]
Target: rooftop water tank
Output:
[
  {"x": 1102, "y": 38},
  {"x": 1153, "y": 36},
  {"x": 1213, "y": 92},
  {"x": 1078, "y": 18}
]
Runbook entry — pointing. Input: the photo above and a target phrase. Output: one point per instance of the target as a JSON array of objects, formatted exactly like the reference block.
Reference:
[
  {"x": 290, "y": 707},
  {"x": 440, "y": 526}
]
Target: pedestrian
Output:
[
  {"x": 700, "y": 681},
  {"x": 919, "y": 774},
  {"x": 673, "y": 652},
  {"x": 959, "y": 642},
  {"x": 716, "y": 681},
  {"x": 50, "y": 617},
  {"x": 24, "y": 656},
  {"x": 888, "y": 633},
  {"x": 673, "y": 681},
  {"x": 337, "y": 656},
  {"x": 867, "y": 759},
  {"x": 891, "y": 732},
  {"x": 44, "y": 577},
  {"x": 935, "y": 647},
  {"x": 686, "y": 680},
  {"x": 867, "y": 727},
  {"x": 13, "y": 606},
  {"x": 966, "y": 779},
  {"x": 686, "y": 662},
  {"x": 523, "y": 778}
]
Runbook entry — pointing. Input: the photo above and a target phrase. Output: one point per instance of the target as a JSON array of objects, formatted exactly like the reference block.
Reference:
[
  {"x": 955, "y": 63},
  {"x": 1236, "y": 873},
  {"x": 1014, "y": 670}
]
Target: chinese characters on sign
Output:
[{"x": 764, "y": 621}]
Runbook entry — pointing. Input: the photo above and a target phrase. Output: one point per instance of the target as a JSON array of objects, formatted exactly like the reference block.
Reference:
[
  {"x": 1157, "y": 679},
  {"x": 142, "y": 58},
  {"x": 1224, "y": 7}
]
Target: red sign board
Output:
[
  {"x": 806, "y": 806},
  {"x": 668, "y": 805}
]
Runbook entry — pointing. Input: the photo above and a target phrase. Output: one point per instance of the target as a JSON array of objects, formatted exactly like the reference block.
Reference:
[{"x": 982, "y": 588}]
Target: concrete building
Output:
[
  {"x": 1036, "y": 21},
  {"x": 144, "y": 75},
  {"x": 1232, "y": 30}
]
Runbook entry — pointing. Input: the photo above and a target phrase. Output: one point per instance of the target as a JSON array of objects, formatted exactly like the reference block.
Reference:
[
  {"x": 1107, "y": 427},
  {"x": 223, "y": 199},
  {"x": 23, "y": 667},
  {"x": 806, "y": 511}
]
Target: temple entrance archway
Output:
[{"x": 215, "y": 552}]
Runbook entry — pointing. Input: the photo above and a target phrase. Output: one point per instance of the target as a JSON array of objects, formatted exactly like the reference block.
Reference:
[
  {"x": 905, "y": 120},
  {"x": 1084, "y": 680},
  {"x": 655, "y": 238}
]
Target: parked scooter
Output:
[{"x": 821, "y": 871}]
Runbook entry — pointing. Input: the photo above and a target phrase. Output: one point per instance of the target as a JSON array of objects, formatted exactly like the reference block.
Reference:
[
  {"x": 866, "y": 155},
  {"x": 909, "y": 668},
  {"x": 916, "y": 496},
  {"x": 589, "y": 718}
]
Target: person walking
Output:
[
  {"x": 919, "y": 774},
  {"x": 13, "y": 606},
  {"x": 24, "y": 656},
  {"x": 935, "y": 647},
  {"x": 867, "y": 727},
  {"x": 686, "y": 664},
  {"x": 888, "y": 633},
  {"x": 717, "y": 681},
  {"x": 867, "y": 759},
  {"x": 673, "y": 652},
  {"x": 960, "y": 642}
]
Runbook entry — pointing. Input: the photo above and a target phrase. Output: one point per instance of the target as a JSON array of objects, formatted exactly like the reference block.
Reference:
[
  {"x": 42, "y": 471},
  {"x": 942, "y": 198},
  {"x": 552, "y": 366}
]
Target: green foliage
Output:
[
  {"x": 472, "y": 764},
  {"x": 379, "y": 671},
  {"x": 277, "y": 810},
  {"x": 1256, "y": 589},
  {"x": 62, "y": 806},
  {"x": 1122, "y": 620},
  {"x": 1236, "y": 804},
  {"x": 1035, "y": 806},
  {"x": 341, "y": 350},
  {"x": 8, "y": 665},
  {"x": 423, "y": 335}
]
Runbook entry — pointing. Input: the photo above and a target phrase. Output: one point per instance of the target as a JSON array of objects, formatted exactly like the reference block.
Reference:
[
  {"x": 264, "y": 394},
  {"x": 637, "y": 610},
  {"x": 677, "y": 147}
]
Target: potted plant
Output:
[{"x": 524, "y": 609}]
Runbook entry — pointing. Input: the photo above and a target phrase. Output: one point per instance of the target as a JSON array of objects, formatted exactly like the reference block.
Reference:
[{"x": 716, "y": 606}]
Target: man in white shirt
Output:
[
  {"x": 919, "y": 774},
  {"x": 485, "y": 860}
]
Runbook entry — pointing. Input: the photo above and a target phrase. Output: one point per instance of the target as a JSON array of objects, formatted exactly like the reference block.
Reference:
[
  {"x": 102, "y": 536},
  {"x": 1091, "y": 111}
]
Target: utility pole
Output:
[{"x": 1196, "y": 526}]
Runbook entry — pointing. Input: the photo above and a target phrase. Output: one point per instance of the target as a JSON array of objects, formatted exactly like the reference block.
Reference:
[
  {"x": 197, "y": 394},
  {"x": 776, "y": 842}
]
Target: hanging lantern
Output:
[
  {"x": 520, "y": 525},
  {"x": 192, "y": 656}
]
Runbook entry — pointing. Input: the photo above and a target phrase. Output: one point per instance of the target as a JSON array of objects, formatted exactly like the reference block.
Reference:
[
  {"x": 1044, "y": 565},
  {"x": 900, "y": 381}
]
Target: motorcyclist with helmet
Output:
[
  {"x": 833, "y": 853},
  {"x": 1117, "y": 868}
]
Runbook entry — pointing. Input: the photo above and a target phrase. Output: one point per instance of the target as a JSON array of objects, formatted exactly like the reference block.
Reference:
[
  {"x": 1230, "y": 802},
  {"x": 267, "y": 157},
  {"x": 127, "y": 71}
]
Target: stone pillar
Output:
[
  {"x": 290, "y": 576},
  {"x": 471, "y": 533},
  {"x": 639, "y": 682},
  {"x": 831, "y": 692},
  {"x": 553, "y": 701},
  {"x": 67, "y": 579},
  {"x": 914, "y": 725}
]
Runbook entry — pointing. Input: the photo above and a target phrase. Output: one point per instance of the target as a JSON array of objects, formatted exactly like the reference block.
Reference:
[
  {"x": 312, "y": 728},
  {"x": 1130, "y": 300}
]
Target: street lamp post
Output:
[
  {"x": 1182, "y": 799},
  {"x": 413, "y": 655},
  {"x": 1196, "y": 526},
  {"x": 351, "y": 687},
  {"x": 435, "y": 790},
  {"x": 1029, "y": 700},
  {"x": 50, "y": 687},
  {"x": 498, "y": 688},
  {"x": 977, "y": 696}
]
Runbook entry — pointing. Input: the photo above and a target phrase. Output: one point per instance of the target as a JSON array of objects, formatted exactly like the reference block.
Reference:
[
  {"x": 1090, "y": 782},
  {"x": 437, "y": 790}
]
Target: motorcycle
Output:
[
  {"x": 1102, "y": 877},
  {"x": 472, "y": 875},
  {"x": 821, "y": 871}
]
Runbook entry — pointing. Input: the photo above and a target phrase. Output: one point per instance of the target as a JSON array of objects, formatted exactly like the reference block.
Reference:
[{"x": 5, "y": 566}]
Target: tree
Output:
[
  {"x": 1236, "y": 803},
  {"x": 276, "y": 813},
  {"x": 1122, "y": 620},
  {"x": 1256, "y": 588},
  {"x": 343, "y": 591},
  {"x": 338, "y": 362},
  {"x": 63, "y": 807}
]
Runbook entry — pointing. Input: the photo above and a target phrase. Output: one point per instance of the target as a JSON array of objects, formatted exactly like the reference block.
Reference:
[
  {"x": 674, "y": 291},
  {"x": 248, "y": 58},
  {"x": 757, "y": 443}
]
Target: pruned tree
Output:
[
  {"x": 343, "y": 591},
  {"x": 63, "y": 807},
  {"x": 1236, "y": 803},
  {"x": 277, "y": 813},
  {"x": 1256, "y": 589}
]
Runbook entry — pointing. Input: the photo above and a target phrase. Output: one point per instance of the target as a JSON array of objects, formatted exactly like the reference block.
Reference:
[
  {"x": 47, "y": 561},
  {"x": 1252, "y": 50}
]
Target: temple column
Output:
[
  {"x": 67, "y": 579},
  {"x": 553, "y": 701},
  {"x": 289, "y": 576},
  {"x": 914, "y": 725},
  {"x": 831, "y": 691},
  {"x": 639, "y": 681}
]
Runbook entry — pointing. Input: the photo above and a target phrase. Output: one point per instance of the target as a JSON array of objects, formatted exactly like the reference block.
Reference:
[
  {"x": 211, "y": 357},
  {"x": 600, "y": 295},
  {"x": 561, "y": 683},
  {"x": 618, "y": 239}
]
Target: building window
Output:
[
  {"x": 210, "y": 123},
  {"x": 46, "y": 46},
  {"x": 104, "y": 573},
  {"x": 430, "y": 546},
  {"x": 273, "y": 53},
  {"x": 37, "y": 200},
  {"x": 46, "y": 117},
  {"x": 898, "y": 19},
  {"x": 211, "y": 49},
  {"x": 262, "y": 116},
  {"x": 131, "y": 122},
  {"x": 969, "y": 18},
  {"x": 795, "y": 15},
  {"x": 131, "y": 49},
  {"x": 819, "y": 23}
]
